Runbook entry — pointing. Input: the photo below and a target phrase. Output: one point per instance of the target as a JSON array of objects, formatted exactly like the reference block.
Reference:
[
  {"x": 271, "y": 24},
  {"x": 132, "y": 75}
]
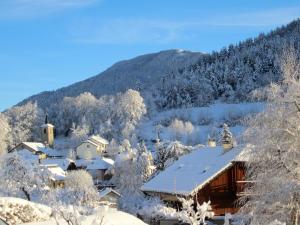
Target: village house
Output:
[
  {"x": 93, "y": 147},
  {"x": 97, "y": 167},
  {"x": 38, "y": 148},
  {"x": 207, "y": 174},
  {"x": 109, "y": 195},
  {"x": 57, "y": 176}
]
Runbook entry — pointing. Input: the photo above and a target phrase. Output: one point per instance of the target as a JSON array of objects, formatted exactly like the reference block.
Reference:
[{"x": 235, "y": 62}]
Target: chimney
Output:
[{"x": 211, "y": 142}]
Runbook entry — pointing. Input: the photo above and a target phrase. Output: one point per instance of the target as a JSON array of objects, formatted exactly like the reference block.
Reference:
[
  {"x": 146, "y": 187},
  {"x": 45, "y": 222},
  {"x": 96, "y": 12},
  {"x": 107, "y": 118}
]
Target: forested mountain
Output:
[
  {"x": 138, "y": 73},
  {"x": 233, "y": 73},
  {"x": 185, "y": 78}
]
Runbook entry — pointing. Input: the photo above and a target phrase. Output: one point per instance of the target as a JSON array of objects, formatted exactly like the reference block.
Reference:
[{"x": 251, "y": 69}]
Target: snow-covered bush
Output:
[
  {"x": 180, "y": 129},
  {"x": 21, "y": 178},
  {"x": 149, "y": 208},
  {"x": 79, "y": 190},
  {"x": 19, "y": 211},
  {"x": 192, "y": 216}
]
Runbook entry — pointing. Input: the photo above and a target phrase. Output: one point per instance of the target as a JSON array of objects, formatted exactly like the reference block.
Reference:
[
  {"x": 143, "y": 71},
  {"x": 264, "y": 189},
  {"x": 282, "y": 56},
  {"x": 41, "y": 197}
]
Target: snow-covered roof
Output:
[
  {"x": 47, "y": 125},
  {"x": 56, "y": 173},
  {"x": 98, "y": 139},
  {"x": 192, "y": 171},
  {"x": 106, "y": 191},
  {"x": 35, "y": 146},
  {"x": 40, "y": 147},
  {"x": 28, "y": 156},
  {"x": 62, "y": 163},
  {"x": 95, "y": 164},
  {"x": 100, "y": 164}
]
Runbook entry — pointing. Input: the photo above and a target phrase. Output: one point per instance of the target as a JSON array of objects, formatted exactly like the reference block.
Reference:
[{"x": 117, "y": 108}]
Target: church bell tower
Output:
[{"x": 48, "y": 133}]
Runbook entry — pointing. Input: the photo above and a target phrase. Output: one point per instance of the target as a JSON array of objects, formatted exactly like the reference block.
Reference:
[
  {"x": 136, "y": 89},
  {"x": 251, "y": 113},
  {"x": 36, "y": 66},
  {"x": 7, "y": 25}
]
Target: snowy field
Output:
[{"x": 197, "y": 123}]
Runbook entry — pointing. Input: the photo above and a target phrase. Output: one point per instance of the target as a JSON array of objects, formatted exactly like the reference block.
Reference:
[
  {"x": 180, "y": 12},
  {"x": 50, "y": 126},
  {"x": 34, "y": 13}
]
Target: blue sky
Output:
[{"x": 48, "y": 44}]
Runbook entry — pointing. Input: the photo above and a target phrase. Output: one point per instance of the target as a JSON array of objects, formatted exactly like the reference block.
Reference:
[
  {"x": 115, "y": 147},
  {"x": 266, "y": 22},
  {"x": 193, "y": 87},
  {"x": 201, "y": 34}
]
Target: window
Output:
[
  {"x": 88, "y": 146},
  {"x": 45, "y": 131}
]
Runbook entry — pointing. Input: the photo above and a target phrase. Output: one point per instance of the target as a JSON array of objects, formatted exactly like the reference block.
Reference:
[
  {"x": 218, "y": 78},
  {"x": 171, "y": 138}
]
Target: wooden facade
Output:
[{"x": 223, "y": 191}]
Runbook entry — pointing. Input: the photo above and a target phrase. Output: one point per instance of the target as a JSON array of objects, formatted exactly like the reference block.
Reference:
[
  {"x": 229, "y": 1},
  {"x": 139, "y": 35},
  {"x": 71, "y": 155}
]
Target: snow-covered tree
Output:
[
  {"x": 21, "y": 178},
  {"x": 5, "y": 134},
  {"x": 181, "y": 128},
  {"x": 126, "y": 177},
  {"x": 79, "y": 189},
  {"x": 167, "y": 153},
  {"x": 25, "y": 122},
  {"x": 144, "y": 163},
  {"x": 227, "y": 137},
  {"x": 79, "y": 135},
  {"x": 274, "y": 160},
  {"x": 130, "y": 110},
  {"x": 113, "y": 148},
  {"x": 192, "y": 216}
]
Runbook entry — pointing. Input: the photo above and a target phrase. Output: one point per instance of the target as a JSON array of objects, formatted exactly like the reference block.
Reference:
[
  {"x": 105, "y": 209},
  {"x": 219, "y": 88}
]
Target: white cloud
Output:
[
  {"x": 135, "y": 31},
  {"x": 269, "y": 17},
  {"x": 19, "y": 9},
  {"x": 127, "y": 31}
]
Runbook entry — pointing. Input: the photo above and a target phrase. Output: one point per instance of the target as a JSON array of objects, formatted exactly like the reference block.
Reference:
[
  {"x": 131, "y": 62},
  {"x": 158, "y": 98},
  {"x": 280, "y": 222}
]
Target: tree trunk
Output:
[{"x": 26, "y": 194}]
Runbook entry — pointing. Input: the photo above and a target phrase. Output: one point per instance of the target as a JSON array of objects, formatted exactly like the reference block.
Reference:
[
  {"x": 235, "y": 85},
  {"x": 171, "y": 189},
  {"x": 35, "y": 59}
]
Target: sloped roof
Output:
[
  {"x": 47, "y": 125},
  {"x": 35, "y": 146},
  {"x": 98, "y": 139},
  {"x": 62, "y": 163},
  {"x": 40, "y": 147},
  {"x": 56, "y": 173},
  {"x": 106, "y": 191},
  {"x": 28, "y": 155},
  {"x": 95, "y": 164},
  {"x": 192, "y": 171}
]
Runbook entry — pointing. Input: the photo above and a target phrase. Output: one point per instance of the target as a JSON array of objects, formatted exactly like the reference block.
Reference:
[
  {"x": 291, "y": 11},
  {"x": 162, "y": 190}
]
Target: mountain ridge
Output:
[{"x": 142, "y": 70}]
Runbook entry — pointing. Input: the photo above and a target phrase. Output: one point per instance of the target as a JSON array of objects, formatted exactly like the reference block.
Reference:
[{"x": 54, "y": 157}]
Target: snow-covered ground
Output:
[
  {"x": 205, "y": 120},
  {"x": 18, "y": 211},
  {"x": 110, "y": 217}
]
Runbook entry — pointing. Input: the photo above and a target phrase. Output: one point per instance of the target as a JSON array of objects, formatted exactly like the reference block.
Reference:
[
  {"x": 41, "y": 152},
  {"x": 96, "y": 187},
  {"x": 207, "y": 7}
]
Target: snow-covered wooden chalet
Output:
[{"x": 209, "y": 173}]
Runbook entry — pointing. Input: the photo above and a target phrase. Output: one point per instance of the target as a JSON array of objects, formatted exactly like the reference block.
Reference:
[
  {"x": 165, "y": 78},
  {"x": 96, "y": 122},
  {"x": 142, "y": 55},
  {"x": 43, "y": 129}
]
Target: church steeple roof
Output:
[{"x": 46, "y": 118}]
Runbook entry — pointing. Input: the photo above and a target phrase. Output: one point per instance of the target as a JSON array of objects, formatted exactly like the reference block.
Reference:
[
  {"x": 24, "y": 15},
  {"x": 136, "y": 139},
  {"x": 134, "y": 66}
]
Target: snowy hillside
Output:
[
  {"x": 138, "y": 73},
  {"x": 192, "y": 126}
]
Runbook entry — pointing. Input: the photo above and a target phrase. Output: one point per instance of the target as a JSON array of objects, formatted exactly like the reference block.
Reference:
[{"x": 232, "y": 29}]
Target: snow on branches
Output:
[
  {"x": 274, "y": 162},
  {"x": 192, "y": 216}
]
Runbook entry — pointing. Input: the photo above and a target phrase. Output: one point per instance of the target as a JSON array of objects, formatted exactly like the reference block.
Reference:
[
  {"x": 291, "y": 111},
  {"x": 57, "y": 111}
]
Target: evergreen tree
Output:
[{"x": 226, "y": 135}]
